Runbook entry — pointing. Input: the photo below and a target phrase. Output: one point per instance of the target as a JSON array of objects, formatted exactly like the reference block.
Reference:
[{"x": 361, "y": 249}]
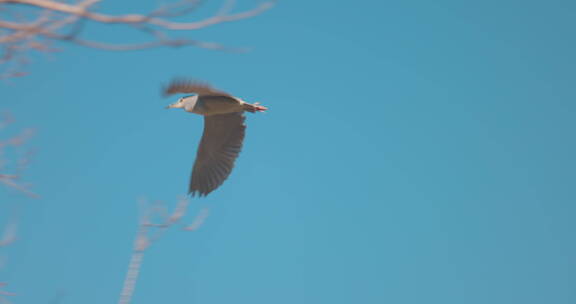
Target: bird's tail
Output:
[{"x": 254, "y": 107}]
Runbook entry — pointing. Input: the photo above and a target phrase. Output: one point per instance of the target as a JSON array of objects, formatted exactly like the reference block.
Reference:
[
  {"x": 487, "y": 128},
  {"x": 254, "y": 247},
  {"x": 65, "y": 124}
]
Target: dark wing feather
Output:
[
  {"x": 190, "y": 86},
  {"x": 219, "y": 147}
]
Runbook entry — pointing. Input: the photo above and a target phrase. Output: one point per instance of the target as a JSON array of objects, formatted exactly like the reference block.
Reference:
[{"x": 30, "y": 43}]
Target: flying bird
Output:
[{"x": 223, "y": 135}]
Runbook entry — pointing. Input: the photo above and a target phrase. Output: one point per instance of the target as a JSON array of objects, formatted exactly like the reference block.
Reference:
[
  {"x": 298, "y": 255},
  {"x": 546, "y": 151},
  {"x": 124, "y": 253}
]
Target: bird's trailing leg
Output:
[{"x": 254, "y": 107}]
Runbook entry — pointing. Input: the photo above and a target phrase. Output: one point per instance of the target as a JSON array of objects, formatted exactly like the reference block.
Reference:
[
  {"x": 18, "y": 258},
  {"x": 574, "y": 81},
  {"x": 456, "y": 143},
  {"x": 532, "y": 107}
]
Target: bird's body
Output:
[
  {"x": 212, "y": 105},
  {"x": 223, "y": 135}
]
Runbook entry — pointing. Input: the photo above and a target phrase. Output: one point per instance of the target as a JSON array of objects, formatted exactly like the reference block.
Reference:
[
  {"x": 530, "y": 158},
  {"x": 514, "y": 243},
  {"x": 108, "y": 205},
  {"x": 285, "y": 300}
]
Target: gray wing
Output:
[
  {"x": 219, "y": 147},
  {"x": 191, "y": 86}
]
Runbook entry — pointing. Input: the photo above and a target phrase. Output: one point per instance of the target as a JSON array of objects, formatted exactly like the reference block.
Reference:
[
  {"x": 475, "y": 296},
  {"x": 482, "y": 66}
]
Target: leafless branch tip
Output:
[{"x": 61, "y": 21}]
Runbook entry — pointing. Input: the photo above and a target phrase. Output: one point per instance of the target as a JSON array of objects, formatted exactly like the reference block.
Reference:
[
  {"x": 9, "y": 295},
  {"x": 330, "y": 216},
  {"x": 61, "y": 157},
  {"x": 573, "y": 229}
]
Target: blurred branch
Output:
[
  {"x": 58, "y": 21},
  {"x": 9, "y": 234},
  {"x": 153, "y": 18},
  {"x": 23, "y": 158},
  {"x": 8, "y": 238},
  {"x": 3, "y": 293},
  {"x": 199, "y": 220},
  {"x": 148, "y": 233}
]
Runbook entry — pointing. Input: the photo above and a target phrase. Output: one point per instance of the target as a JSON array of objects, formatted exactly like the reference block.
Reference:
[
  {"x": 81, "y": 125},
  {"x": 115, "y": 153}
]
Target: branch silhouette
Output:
[{"x": 58, "y": 21}]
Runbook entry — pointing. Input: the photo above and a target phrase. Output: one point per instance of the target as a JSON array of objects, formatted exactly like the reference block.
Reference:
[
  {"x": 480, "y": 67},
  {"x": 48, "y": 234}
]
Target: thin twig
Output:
[
  {"x": 147, "y": 234},
  {"x": 10, "y": 179},
  {"x": 138, "y": 18},
  {"x": 58, "y": 21},
  {"x": 9, "y": 235}
]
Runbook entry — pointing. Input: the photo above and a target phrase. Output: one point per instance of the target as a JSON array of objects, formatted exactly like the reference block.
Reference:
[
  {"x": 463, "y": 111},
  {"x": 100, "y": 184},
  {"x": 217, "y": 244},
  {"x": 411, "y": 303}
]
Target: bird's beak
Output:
[{"x": 169, "y": 107}]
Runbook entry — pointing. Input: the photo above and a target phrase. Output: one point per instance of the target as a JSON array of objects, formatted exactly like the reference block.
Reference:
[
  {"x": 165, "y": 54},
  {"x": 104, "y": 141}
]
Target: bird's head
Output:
[{"x": 177, "y": 104}]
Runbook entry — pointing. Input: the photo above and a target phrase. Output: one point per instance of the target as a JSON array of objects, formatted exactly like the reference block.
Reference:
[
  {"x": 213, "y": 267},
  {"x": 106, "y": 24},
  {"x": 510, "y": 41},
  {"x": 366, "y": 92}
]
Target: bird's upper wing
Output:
[
  {"x": 190, "y": 86},
  {"x": 219, "y": 147}
]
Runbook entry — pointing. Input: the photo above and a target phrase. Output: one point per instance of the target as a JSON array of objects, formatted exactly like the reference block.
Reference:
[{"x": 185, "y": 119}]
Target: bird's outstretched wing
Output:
[
  {"x": 219, "y": 147},
  {"x": 191, "y": 86}
]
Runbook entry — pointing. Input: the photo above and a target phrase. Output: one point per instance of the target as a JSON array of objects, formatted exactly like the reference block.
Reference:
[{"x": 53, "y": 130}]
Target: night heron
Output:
[{"x": 223, "y": 135}]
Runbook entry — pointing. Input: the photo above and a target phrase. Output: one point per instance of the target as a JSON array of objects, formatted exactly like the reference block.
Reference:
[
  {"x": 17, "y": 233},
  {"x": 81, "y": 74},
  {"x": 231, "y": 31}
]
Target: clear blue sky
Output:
[{"x": 414, "y": 152}]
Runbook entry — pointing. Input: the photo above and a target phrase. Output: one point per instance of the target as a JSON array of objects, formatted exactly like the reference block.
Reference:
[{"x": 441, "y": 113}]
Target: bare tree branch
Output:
[
  {"x": 18, "y": 166},
  {"x": 58, "y": 21},
  {"x": 8, "y": 237},
  {"x": 199, "y": 220},
  {"x": 9, "y": 234},
  {"x": 151, "y": 18},
  {"x": 148, "y": 233},
  {"x": 5, "y": 293}
]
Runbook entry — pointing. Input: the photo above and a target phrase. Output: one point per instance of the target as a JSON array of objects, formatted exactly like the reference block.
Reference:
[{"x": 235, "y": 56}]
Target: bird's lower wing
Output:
[{"x": 219, "y": 147}]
